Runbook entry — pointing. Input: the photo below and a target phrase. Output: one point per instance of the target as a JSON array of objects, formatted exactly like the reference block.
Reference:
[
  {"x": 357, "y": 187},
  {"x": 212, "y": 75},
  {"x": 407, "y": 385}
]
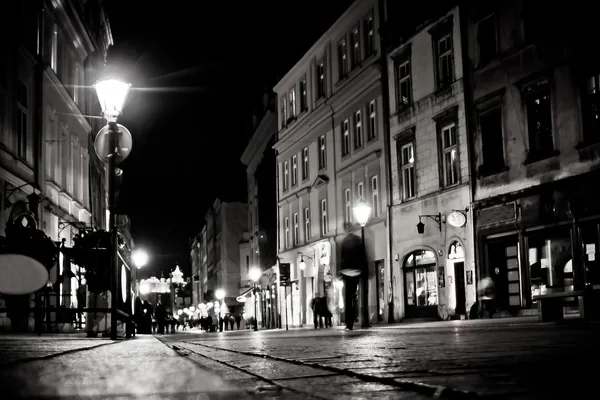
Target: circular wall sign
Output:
[
  {"x": 457, "y": 219},
  {"x": 20, "y": 274}
]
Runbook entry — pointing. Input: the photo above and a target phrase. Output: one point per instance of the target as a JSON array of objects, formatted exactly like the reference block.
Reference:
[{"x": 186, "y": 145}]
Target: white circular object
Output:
[
  {"x": 124, "y": 283},
  {"x": 457, "y": 219},
  {"x": 124, "y": 143},
  {"x": 20, "y": 274}
]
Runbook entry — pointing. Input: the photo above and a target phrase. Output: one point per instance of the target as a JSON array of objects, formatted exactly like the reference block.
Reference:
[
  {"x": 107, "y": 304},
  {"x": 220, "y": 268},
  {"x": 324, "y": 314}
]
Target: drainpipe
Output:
[
  {"x": 385, "y": 97},
  {"x": 468, "y": 105},
  {"x": 39, "y": 106},
  {"x": 278, "y": 239}
]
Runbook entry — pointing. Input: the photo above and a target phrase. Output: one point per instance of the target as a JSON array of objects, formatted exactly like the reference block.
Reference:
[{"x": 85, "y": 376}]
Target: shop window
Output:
[
  {"x": 550, "y": 262},
  {"x": 421, "y": 279},
  {"x": 590, "y": 239}
]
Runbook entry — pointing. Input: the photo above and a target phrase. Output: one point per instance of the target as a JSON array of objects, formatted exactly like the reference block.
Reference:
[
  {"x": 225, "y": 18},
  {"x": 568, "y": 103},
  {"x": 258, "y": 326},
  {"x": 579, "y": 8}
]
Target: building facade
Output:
[
  {"x": 330, "y": 156},
  {"x": 535, "y": 146},
  {"x": 260, "y": 161},
  {"x": 430, "y": 166},
  {"x": 46, "y": 73},
  {"x": 198, "y": 258},
  {"x": 225, "y": 226}
]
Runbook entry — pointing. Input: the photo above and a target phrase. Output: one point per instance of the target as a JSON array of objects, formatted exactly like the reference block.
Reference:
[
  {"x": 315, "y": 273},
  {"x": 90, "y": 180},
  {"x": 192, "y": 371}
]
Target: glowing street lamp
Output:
[
  {"x": 362, "y": 212},
  {"x": 140, "y": 258},
  {"x": 255, "y": 273},
  {"x": 112, "y": 94},
  {"x": 220, "y": 294}
]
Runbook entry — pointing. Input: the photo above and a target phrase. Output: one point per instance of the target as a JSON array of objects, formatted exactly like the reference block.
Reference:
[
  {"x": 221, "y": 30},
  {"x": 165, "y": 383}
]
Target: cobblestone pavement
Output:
[
  {"x": 493, "y": 360},
  {"x": 140, "y": 368},
  {"x": 21, "y": 348}
]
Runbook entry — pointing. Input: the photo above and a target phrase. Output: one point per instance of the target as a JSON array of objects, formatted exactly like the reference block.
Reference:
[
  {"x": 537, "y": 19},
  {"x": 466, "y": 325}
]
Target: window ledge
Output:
[
  {"x": 588, "y": 151},
  {"x": 485, "y": 172},
  {"x": 533, "y": 158}
]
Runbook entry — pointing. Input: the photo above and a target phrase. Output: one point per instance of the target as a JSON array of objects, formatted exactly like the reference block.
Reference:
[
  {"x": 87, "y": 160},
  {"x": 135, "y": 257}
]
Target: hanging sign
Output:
[{"x": 457, "y": 219}]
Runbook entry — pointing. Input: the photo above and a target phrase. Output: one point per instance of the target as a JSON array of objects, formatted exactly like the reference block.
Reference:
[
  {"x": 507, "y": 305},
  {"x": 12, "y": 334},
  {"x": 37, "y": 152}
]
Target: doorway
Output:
[
  {"x": 420, "y": 280},
  {"x": 459, "y": 286}
]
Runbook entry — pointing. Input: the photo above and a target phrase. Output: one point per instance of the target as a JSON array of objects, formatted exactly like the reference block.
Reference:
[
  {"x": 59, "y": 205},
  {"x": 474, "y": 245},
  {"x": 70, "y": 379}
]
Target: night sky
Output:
[{"x": 198, "y": 71}]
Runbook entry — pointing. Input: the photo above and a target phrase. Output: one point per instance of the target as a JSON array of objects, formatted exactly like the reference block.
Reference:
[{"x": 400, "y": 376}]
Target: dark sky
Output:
[{"x": 198, "y": 70}]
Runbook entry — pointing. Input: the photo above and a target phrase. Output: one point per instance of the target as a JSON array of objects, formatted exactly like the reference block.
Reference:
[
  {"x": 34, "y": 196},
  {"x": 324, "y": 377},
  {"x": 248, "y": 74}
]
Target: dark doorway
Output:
[
  {"x": 503, "y": 268},
  {"x": 459, "y": 278}
]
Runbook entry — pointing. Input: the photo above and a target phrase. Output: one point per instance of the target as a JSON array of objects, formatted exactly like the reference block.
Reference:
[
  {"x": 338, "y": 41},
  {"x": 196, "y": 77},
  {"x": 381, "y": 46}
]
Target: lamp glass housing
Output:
[
  {"x": 254, "y": 274},
  {"x": 302, "y": 264},
  {"x": 362, "y": 212},
  {"x": 112, "y": 94},
  {"x": 140, "y": 258},
  {"x": 220, "y": 294}
]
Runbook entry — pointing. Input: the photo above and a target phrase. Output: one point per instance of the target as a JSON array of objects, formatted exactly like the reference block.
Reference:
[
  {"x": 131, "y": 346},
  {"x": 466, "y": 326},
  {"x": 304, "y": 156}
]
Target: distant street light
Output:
[
  {"x": 255, "y": 273},
  {"x": 220, "y": 294},
  {"x": 112, "y": 94},
  {"x": 362, "y": 212},
  {"x": 140, "y": 258}
]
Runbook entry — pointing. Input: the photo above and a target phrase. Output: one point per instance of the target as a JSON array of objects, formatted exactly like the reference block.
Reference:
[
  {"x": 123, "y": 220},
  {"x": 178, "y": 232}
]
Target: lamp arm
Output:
[{"x": 437, "y": 218}]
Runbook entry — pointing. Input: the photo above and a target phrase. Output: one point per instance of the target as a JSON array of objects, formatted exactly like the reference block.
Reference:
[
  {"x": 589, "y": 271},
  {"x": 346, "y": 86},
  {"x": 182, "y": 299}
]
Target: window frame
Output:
[
  {"x": 375, "y": 195},
  {"x": 305, "y": 164}
]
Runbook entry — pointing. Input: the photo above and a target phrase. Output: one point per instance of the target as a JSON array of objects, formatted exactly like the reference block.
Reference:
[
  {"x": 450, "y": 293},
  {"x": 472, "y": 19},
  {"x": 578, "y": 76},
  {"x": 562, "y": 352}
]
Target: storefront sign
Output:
[
  {"x": 284, "y": 274},
  {"x": 457, "y": 219},
  {"x": 441, "y": 277}
]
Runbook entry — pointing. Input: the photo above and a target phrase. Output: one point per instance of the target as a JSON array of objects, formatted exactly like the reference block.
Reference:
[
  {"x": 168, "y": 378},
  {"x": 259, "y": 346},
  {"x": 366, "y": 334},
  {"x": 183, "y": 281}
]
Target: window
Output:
[
  {"x": 247, "y": 264},
  {"x": 404, "y": 87},
  {"x": 303, "y": 95},
  {"x": 360, "y": 190},
  {"x": 54, "y": 49},
  {"x": 305, "y": 163},
  {"x": 283, "y": 112},
  {"x": 324, "y": 222},
  {"x": 306, "y": 225},
  {"x": 345, "y": 138},
  {"x": 348, "y": 206},
  {"x": 294, "y": 170},
  {"x": 286, "y": 175},
  {"x": 591, "y": 109},
  {"x": 77, "y": 83},
  {"x": 320, "y": 80},
  {"x": 355, "y": 43},
  {"x": 287, "y": 232},
  {"x": 442, "y": 46},
  {"x": 450, "y": 164},
  {"x": 322, "y": 153},
  {"x": 407, "y": 166},
  {"x": 22, "y": 119},
  {"x": 342, "y": 59},
  {"x": 492, "y": 140},
  {"x": 375, "y": 196},
  {"x": 487, "y": 39},
  {"x": 358, "y": 134},
  {"x": 296, "y": 230},
  {"x": 372, "y": 133},
  {"x": 539, "y": 119},
  {"x": 292, "y": 103},
  {"x": 369, "y": 36}
]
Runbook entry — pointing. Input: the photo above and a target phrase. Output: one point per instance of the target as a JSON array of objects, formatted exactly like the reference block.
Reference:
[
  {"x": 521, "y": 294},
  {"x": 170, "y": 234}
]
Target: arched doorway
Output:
[
  {"x": 456, "y": 258},
  {"x": 420, "y": 284}
]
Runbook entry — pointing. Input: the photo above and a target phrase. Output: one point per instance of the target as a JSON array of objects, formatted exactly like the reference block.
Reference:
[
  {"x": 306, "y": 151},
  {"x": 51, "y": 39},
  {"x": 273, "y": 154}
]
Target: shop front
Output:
[
  {"x": 539, "y": 241},
  {"x": 421, "y": 284}
]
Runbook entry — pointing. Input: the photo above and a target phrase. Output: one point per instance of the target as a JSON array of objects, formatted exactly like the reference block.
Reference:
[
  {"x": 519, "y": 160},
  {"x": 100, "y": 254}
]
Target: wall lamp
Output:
[{"x": 421, "y": 226}]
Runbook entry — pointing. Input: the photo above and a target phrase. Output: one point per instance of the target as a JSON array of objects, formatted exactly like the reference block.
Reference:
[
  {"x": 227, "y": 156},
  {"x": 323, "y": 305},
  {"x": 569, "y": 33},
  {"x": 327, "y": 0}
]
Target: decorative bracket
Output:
[{"x": 437, "y": 218}]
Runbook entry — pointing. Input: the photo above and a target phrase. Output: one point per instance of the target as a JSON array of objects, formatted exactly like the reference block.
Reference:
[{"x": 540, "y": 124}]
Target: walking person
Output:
[{"x": 238, "y": 321}]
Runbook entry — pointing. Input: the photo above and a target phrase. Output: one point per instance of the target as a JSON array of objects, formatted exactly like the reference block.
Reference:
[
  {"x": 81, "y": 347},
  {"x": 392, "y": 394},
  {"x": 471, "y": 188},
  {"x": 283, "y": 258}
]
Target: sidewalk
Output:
[{"x": 141, "y": 367}]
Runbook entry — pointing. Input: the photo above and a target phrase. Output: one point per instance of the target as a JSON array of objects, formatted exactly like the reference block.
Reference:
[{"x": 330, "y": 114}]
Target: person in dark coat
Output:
[
  {"x": 238, "y": 321},
  {"x": 324, "y": 311},
  {"x": 161, "y": 316},
  {"x": 316, "y": 307},
  {"x": 148, "y": 312}
]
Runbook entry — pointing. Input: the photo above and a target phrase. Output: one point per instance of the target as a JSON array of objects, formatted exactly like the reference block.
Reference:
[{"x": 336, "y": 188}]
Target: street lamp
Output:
[
  {"x": 255, "y": 274},
  {"x": 362, "y": 212},
  {"x": 140, "y": 258},
  {"x": 112, "y": 94}
]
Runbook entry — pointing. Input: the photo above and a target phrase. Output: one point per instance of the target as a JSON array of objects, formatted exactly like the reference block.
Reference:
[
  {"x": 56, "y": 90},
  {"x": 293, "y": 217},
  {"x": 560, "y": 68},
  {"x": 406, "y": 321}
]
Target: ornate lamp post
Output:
[
  {"x": 109, "y": 145},
  {"x": 362, "y": 212},
  {"x": 255, "y": 274}
]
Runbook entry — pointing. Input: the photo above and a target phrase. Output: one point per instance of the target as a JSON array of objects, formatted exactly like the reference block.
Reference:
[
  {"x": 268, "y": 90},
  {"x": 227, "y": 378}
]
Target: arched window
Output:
[
  {"x": 420, "y": 281},
  {"x": 455, "y": 251}
]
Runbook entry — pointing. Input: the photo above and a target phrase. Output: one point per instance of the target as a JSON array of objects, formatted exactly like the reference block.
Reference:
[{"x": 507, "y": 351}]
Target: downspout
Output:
[
  {"x": 39, "y": 104},
  {"x": 385, "y": 99},
  {"x": 335, "y": 192},
  {"x": 468, "y": 104},
  {"x": 277, "y": 238}
]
